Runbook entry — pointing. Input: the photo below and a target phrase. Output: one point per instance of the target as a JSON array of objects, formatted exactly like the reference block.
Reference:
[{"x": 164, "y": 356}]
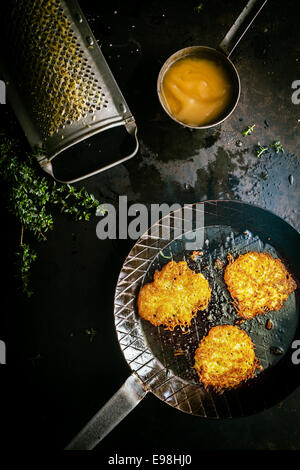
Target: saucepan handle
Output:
[
  {"x": 241, "y": 25},
  {"x": 112, "y": 413}
]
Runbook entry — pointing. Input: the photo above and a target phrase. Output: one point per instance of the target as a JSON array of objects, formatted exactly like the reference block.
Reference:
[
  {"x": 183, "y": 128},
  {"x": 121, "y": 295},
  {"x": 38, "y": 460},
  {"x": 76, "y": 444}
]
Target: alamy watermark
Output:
[
  {"x": 133, "y": 221},
  {"x": 2, "y": 352},
  {"x": 2, "y": 92},
  {"x": 296, "y": 93},
  {"x": 296, "y": 353}
]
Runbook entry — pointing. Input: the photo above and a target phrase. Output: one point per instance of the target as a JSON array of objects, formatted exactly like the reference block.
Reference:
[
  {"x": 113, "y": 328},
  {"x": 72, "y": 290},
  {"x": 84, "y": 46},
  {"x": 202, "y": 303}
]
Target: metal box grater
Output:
[{"x": 58, "y": 82}]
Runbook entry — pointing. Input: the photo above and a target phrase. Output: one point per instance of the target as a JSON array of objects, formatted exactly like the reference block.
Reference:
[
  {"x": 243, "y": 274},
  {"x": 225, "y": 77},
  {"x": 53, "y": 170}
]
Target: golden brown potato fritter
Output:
[
  {"x": 174, "y": 297},
  {"x": 225, "y": 358},
  {"x": 258, "y": 283}
]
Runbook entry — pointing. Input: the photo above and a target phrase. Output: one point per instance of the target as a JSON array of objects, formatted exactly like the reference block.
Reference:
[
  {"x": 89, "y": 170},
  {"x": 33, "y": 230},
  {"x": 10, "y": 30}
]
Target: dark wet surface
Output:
[
  {"x": 189, "y": 165},
  {"x": 56, "y": 378}
]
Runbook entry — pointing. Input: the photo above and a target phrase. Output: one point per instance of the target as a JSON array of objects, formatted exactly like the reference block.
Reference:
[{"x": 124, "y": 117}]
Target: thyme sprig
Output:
[
  {"x": 31, "y": 198},
  {"x": 26, "y": 257}
]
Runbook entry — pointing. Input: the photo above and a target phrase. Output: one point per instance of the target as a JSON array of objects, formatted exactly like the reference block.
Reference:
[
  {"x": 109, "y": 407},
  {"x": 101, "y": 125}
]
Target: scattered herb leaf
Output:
[
  {"x": 277, "y": 146},
  {"x": 260, "y": 150},
  {"x": 199, "y": 7},
  {"x": 35, "y": 361},
  {"x": 92, "y": 333},
  {"x": 249, "y": 130}
]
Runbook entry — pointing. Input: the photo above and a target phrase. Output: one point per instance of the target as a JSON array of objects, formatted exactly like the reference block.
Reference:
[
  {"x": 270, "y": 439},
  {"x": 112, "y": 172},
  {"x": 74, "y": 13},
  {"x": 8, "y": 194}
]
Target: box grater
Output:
[{"x": 59, "y": 84}]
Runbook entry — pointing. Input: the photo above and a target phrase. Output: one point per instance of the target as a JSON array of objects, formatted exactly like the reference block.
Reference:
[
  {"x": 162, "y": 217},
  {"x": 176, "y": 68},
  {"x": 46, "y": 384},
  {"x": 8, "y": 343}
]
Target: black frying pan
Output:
[{"x": 216, "y": 228}]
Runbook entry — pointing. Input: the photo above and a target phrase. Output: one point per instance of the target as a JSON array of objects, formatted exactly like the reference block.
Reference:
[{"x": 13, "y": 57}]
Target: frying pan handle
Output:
[
  {"x": 241, "y": 25},
  {"x": 112, "y": 413}
]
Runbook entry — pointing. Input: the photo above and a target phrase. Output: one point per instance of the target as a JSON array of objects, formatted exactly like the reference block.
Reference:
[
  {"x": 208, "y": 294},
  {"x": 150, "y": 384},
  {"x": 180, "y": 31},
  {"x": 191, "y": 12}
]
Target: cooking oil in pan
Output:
[{"x": 176, "y": 350}]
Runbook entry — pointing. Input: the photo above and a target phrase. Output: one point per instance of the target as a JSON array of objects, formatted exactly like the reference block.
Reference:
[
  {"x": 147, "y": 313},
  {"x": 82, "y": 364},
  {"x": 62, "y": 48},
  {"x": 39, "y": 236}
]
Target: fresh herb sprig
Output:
[
  {"x": 26, "y": 257},
  {"x": 31, "y": 198},
  {"x": 199, "y": 7}
]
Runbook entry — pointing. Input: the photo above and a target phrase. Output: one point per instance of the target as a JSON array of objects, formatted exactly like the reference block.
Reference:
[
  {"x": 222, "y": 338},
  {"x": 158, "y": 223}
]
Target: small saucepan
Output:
[{"x": 220, "y": 56}]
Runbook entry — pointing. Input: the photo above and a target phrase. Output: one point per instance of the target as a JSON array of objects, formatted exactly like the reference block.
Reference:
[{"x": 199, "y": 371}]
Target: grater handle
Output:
[{"x": 110, "y": 415}]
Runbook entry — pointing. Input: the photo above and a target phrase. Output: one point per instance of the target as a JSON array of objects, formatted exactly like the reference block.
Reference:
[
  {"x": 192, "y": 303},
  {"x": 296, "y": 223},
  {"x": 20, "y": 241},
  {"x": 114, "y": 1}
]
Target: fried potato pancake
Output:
[
  {"x": 174, "y": 297},
  {"x": 225, "y": 358},
  {"x": 258, "y": 283}
]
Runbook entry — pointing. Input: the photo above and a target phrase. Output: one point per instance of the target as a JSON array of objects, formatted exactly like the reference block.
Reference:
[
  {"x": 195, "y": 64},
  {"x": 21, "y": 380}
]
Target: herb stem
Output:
[{"x": 22, "y": 233}]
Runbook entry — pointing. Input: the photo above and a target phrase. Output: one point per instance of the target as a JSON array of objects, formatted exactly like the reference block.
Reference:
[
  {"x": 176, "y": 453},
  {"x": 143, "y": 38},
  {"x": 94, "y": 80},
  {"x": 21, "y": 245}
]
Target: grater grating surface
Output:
[{"x": 60, "y": 85}]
